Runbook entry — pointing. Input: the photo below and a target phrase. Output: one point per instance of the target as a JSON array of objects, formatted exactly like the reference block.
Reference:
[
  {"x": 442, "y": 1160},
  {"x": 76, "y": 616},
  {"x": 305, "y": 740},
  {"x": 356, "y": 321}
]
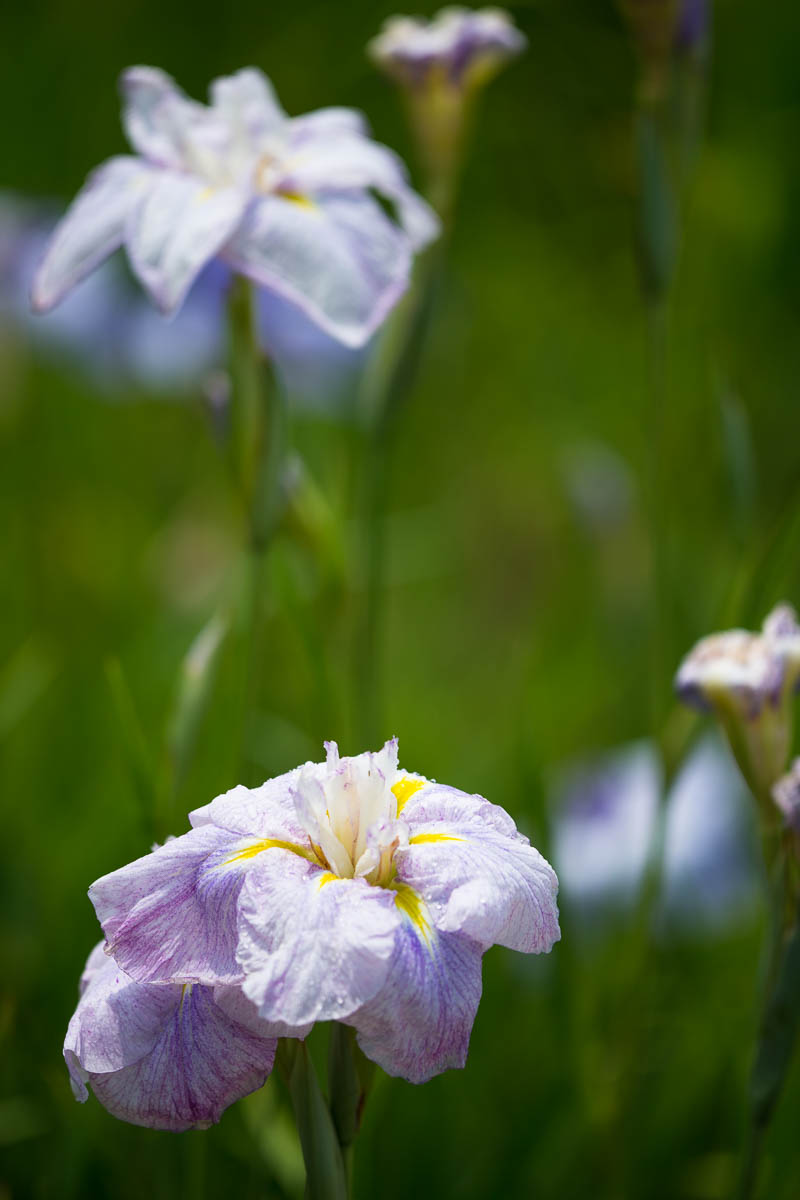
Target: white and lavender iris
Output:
[
  {"x": 459, "y": 45},
  {"x": 286, "y": 202},
  {"x": 750, "y": 670},
  {"x": 346, "y": 890},
  {"x": 748, "y": 680}
]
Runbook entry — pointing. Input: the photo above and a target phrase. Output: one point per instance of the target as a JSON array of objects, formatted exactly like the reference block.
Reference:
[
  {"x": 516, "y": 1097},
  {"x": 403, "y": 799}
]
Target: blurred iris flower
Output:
[
  {"x": 748, "y": 680},
  {"x": 169, "y": 1057},
  {"x": 460, "y": 46},
  {"x": 347, "y": 890},
  {"x": 286, "y": 202},
  {"x": 605, "y": 830},
  {"x": 105, "y": 327}
]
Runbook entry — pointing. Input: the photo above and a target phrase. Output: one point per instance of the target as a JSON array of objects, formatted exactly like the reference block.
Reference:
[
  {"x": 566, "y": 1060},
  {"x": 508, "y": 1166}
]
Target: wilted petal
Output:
[
  {"x": 167, "y": 1057},
  {"x": 313, "y": 947},
  {"x": 172, "y": 915},
  {"x": 93, "y": 228},
  {"x": 482, "y": 882},
  {"x": 420, "y": 1022},
  {"x": 340, "y": 260},
  {"x": 179, "y": 226},
  {"x": 347, "y": 162}
]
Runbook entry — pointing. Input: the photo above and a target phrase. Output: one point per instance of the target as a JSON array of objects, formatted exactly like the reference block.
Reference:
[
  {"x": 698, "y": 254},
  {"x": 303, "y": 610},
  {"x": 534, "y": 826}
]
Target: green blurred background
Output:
[{"x": 519, "y": 616}]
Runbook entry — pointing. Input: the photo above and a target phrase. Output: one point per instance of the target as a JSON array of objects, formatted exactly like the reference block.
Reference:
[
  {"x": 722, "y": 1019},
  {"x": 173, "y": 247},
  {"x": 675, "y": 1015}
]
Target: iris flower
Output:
[
  {"x": 286, "y": 202},
  {"x": 347, "y": 890},
  {"x": 459, "y": 45}
]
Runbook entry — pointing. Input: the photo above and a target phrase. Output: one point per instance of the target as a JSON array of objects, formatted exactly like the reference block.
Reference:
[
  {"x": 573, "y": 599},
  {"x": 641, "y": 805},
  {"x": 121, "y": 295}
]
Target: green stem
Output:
[
  {"x": 325, "y": 1170},
  {"x": 387, "y": 382},
  {"x": 258, "y": 446},
  {"x": 779, "y": 1021}
]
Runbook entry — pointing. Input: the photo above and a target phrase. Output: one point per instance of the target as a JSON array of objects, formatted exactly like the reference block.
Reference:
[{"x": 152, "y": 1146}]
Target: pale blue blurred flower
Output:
[
  {"x": 605, "y": 827},
  {"x": 106, "y": 328}
]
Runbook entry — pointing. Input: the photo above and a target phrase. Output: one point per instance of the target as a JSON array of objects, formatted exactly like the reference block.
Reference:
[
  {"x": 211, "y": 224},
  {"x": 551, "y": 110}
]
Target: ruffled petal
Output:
[
  {"x": 179, "y": 226},
  {"x": 477, "y": 873},
  {"x": 313, "y": 947},
  {"x": 342, "y": 261},
  {"x": 171, "y": 916},
  {"x": 167, "y": 1057},
  {"x": 265, "y": 811},
  {"x": 420, "y": 1022},
  {"x": 336, "y": 160},
  {"x": 93, "y": 228}
]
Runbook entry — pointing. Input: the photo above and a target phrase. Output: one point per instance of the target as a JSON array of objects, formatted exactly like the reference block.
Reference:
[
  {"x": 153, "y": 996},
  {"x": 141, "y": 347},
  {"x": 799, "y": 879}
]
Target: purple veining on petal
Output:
[{"x": 167, "y": 1057}]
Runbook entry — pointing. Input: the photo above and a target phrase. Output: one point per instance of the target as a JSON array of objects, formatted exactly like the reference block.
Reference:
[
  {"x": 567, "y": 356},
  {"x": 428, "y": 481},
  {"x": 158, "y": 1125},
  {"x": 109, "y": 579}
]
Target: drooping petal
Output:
[
  {"x": 420, "y": 1022},
  {"x": 481, "y": 881},
  {"x": 93, "y": 228},
  {"x": 342, "y": 261},
  {"x": 313, "y": 947},
  {"x": 179, "y": 226},
  {"x": 343, "y": 161},
  {"x": 171, "y": 916},
  {"x": 167, "y": 1057}
]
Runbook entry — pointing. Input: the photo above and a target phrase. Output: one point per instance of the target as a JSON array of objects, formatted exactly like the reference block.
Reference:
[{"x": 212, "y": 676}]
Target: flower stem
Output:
[
  {"x": 325, "y": 1169},
  {"x": 387, "y": 382},
  {"x": 350, "y": 1076},
  {"x": 258, "y": 451}
]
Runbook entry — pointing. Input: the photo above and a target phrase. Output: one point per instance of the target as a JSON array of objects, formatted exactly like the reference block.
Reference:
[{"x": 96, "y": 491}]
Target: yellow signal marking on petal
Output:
[
  {"x": 298, "y": 198},
  {"x": 328, "y": 877},
  {"x": 404, "y": 789},
  {"x": 412, "y": 906},
  {"x": 419, "y": 838},
  {"x": 270, "y": 844}
]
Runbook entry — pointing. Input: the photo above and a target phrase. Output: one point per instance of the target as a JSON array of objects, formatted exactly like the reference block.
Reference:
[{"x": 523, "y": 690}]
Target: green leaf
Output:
[{"x": 195, "y": 683}]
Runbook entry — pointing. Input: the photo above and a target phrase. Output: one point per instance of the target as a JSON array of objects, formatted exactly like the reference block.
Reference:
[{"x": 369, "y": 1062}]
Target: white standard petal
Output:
[
  {"x": 248, "y": 103},
  {"x": 156, "y": 115},
  {"x": 341, "y": 260},
  {"x": 180, "y": 225},
  {"x": 420, "y": 1022},
  {"x": 477, "y": 874},
  {"x": 93, "y": 228},
  {"x": 313, "y": 947}
]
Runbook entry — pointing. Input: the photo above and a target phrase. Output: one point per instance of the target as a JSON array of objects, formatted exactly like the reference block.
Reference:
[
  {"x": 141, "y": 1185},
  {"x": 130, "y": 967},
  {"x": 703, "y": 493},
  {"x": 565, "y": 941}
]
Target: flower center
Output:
[{"x": 349, "y": 809}]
